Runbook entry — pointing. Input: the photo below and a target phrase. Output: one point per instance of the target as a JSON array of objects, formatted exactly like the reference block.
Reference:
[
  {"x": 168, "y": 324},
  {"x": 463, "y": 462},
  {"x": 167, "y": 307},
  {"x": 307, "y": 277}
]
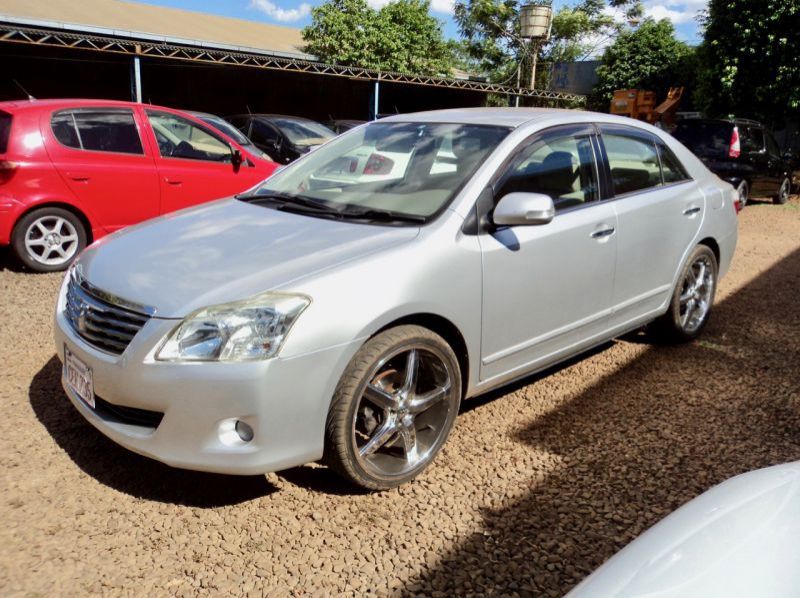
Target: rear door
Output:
[
  {"x": 100, "y": 154},
  {"x": 194, "y": 162},
  {"x": 659, "y": 216}
]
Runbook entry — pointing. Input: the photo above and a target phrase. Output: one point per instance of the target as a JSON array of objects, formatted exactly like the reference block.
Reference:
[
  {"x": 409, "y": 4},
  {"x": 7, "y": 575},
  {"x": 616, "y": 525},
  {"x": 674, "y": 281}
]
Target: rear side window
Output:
[
  {"x": 633, "y": 162},
  {"x": 705, "y": 139},
  {"x": 98, "y": 130},
  {"x": 5, "y": 131},
  {"x": 672, "y": 171},
  {"x": 752, "y": 139}
]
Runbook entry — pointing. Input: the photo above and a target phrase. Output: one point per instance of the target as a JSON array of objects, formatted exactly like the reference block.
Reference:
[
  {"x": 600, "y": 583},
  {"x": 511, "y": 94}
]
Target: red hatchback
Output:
[{"x": 72, "y": 171}]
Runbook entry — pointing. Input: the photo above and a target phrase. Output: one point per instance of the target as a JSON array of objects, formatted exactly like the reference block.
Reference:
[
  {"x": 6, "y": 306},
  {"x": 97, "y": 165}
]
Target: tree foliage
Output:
[
  {"x": 751, "y": 59},
  {"x": 491, "y": 32},
  {"x": 402, "y": 36},
  {"x": 648, "y": 57}
]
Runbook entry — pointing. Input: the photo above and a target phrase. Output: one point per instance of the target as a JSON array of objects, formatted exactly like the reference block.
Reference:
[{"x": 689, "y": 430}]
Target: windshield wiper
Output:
[
  {"x": 295, "y": 203},
  {"x": 384, "y": 216}
]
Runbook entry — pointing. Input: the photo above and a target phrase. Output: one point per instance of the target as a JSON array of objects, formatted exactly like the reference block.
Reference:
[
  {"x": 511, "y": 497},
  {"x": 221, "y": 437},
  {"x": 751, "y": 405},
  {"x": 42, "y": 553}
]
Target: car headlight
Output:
[{"x": 240, "y": 331}]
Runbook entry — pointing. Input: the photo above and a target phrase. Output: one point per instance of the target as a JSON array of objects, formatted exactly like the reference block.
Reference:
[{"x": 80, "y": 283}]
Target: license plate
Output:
[{"x": 79, "y": 377}]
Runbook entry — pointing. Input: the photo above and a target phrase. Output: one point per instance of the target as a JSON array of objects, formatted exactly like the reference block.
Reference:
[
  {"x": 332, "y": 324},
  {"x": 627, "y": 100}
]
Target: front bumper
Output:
[{"x": 285, "y": 401}]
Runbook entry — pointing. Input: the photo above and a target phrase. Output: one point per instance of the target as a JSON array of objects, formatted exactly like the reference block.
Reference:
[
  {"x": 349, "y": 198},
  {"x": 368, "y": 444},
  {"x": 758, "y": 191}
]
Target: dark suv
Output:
[{"x": 742, "y": 152}]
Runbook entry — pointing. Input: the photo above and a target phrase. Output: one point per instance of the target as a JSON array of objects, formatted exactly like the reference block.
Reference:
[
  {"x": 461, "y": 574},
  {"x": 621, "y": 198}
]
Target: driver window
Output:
[
  {"x": 178, "y": 137},
  {"x": 559, "y": 166}
]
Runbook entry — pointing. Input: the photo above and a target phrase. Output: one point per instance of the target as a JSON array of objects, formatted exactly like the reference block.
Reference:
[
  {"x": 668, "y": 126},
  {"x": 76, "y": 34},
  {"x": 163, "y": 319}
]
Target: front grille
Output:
[
  {"x": 100, "y": 323},
  {"x": 127, "y": 415}
]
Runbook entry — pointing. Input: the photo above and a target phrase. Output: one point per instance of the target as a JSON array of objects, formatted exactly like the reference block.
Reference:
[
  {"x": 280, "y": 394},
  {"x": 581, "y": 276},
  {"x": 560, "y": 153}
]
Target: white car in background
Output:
[{"x": 741, "y": 539}]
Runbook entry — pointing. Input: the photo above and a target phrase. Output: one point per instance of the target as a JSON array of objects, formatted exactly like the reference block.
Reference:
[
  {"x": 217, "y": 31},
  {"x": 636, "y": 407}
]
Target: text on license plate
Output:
[{"x": 79, "y": 377}]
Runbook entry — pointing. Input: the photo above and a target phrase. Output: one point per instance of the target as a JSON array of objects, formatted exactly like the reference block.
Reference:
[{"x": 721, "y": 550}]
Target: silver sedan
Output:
[{"x": 343, "y": 309}]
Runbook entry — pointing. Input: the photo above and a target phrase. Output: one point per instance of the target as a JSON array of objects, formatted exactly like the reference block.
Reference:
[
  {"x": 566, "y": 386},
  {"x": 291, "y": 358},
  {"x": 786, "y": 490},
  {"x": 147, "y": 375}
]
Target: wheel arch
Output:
[
  {"x": 444, "y": 328},
  {"x": 712, "y": 244},
  {"x": 80, "y": 214}
]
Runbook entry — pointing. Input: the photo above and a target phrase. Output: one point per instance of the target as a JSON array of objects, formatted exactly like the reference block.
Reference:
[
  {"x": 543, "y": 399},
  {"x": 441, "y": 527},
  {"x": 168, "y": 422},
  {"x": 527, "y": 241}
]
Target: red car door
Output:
[
  {"x": 195, "y": 164},
  {"x": 100, "y": 154}
]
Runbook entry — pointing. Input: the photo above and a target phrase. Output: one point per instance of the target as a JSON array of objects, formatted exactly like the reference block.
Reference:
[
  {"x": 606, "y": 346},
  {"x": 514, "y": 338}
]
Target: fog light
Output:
[{"x": 244, "y": 431}]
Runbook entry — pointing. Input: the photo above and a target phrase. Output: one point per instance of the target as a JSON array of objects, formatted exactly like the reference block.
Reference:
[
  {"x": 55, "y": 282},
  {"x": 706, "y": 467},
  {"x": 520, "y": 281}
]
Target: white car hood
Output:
[
  {"x": 224, "y": 251},
  {"x": 739, "y": 539}
]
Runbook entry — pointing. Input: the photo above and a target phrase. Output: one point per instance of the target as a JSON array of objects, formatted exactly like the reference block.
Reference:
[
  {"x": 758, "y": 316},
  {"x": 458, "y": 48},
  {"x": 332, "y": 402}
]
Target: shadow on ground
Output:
[
  {"x": 123, "y": 470},
  {"x": 643, "y": 441}
]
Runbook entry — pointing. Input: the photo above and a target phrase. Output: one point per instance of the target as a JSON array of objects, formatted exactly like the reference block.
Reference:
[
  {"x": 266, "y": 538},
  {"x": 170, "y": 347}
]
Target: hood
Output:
[
  {"x": 224, "y": 251},
  {"x": 739, "y": 539}
]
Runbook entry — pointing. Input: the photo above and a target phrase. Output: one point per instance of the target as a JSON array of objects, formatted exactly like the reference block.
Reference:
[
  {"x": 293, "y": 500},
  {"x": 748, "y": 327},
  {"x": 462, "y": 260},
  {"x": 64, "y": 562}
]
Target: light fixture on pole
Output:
[{"x": 536, "y": 19}]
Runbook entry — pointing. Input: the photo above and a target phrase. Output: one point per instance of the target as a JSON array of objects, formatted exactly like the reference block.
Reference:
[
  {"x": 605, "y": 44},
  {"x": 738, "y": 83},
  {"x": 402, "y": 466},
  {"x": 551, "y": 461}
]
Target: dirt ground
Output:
[{"x": 538, "y": 485}]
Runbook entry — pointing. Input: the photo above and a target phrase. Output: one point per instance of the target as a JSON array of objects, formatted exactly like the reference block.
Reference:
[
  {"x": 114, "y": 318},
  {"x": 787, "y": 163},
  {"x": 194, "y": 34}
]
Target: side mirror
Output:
[
  {"x": 236, "y": 158},
  {"x": 520, "y": 209}
]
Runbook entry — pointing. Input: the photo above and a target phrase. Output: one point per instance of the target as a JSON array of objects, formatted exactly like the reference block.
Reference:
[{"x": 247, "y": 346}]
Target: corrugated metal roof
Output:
[{"x": 142, "y": 21}]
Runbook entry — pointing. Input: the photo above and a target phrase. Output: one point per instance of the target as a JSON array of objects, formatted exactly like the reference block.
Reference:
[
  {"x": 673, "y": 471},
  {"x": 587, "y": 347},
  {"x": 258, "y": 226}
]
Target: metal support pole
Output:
[
  {"x": 136, "y": 80},
  {"x": 377, "y": 98},
  {"x": 535, "y": 52},
  {"x": 519, "y": 78}
]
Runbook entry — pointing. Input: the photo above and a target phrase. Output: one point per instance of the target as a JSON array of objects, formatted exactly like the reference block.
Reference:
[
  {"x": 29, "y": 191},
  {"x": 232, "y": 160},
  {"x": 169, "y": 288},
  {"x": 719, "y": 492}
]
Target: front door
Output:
[
  {"x": 194, "y": 163},
  {"x": 547, "y": 288}
]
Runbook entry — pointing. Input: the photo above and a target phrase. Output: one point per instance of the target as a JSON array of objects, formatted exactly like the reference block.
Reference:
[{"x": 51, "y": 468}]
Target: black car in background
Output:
[
  {"x": 282, "y": 138},
  {"x": 220, "y": 124},
  {"x": 342, "y": 126},
  {"x": 741, "y": 152}
]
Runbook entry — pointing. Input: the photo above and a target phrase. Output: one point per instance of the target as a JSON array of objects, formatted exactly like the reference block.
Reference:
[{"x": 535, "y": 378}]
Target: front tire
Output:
[
  {"x": 783, "y": 194},
  {"x": 393, "y": 408},
  {"x": 692, "y": 299},
  {"x": 48, "y": 239}
]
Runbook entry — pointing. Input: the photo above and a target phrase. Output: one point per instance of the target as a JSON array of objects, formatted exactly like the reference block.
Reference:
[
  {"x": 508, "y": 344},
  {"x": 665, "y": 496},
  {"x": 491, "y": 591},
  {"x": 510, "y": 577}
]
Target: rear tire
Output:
[
  {"x": 783, "y": 194},
  {"x": 393, "y": 408},
  {"x": 692, "y": 299},
  {"x": 744, "y": 194},
  {"x": 48, "y": 239}
]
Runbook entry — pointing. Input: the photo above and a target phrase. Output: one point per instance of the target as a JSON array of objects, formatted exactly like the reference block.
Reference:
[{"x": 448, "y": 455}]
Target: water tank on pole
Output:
[{"x": 535, "y": 20}]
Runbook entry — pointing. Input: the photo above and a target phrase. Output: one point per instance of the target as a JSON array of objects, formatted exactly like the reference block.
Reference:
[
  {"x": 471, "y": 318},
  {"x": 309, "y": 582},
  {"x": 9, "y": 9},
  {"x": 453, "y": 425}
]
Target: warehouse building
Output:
[{"x": 124, "y": 50}]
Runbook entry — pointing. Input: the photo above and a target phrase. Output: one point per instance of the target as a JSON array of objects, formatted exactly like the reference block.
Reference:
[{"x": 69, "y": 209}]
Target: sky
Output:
[{"x": 682, "y": 13}]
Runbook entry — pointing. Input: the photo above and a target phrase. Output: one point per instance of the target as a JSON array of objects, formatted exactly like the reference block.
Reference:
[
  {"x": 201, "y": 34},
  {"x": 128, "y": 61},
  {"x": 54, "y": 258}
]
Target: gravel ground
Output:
[{"x": 538, "y": 485}]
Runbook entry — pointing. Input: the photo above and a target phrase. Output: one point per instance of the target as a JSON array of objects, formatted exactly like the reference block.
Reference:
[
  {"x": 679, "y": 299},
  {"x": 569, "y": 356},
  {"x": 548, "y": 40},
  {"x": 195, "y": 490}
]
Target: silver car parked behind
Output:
[{"x": 331, "y": 314}]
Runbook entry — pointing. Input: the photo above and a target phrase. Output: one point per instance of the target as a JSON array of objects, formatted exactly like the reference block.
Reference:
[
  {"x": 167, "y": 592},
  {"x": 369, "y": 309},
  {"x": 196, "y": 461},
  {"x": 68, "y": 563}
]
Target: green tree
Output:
[
  {"x": 750, "y": 59},
  {"x": 648, "y": 57},
  {"x": 491, "y": 33},
  {"x": 401, "y": 36}
]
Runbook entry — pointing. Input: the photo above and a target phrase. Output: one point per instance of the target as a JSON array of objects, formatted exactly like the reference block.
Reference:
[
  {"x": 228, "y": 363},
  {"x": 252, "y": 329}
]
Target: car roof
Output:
[
  {"x": 272, "y": 116},
  {"x": 727, "y": 121},
  {"x": 66, "y": 103}
]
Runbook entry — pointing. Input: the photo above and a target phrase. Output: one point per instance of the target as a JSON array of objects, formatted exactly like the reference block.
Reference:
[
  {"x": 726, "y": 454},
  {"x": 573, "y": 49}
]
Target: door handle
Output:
[
  {"x": 691, "y": 211},
  {"x": 79, "y": 178},
  {"x": 173, "y": 181},
  {"x": 605, "y": 232}
]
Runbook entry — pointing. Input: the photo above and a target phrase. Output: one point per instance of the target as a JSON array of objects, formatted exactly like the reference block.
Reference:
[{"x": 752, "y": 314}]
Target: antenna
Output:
[
  {"x": 25, "y": 91},
  {"x": 248, "y": 109}
]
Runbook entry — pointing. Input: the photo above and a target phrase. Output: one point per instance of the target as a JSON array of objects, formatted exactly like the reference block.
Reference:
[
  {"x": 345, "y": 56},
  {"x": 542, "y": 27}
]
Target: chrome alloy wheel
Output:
[
  {"x": 51, "y": 240},
  {"x": 785, "y": 190},
  {"x": 405, "y": 411},
  {"x": 696, "y": 294}
]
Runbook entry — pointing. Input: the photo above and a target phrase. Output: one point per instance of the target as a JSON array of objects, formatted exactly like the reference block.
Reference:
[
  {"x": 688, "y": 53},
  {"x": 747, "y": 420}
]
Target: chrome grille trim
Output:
[{"x": 106, "y": 326}]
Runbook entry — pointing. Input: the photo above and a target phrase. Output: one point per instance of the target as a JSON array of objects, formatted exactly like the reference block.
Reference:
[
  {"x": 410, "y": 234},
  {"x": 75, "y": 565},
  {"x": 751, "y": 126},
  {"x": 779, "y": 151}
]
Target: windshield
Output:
[
  {"x": 304, "y": 132},
  {"x": 706, "y": 139},
  {"x": 410, "y": 170},
  {"x": 227, "y": 128}
]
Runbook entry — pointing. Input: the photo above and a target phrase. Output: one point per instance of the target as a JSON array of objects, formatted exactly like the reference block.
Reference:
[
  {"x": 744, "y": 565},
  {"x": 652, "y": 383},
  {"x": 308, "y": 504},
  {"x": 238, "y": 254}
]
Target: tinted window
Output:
[
  {"x": 672, "y": 171},
  {"x": 561, "y": 166},
  {"x": 772, "y": 145},
  {"x": 180, "y": 138},
  {"x": 263, "y": 133},
  {"x": 706, "y": 139},
  {"x": 633, "y": 162},
  {"x": 5, "y": 131},
  {"x": 752, "y": 139},
  {"x": 98, "y": 130}
]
